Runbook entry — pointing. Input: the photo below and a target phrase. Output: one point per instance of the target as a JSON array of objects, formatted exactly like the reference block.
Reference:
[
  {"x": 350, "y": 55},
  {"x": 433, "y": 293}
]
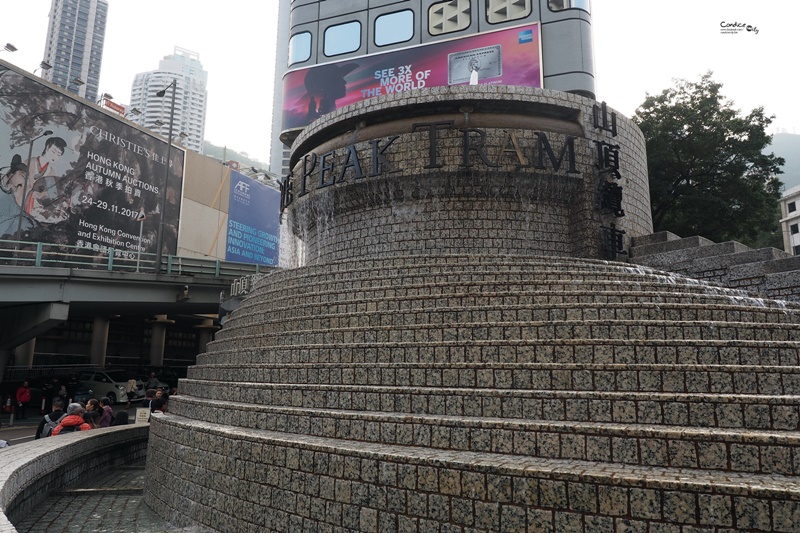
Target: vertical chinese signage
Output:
[
  {"x": 253, "y": 222},
  {"x": 610, "y": 192}
]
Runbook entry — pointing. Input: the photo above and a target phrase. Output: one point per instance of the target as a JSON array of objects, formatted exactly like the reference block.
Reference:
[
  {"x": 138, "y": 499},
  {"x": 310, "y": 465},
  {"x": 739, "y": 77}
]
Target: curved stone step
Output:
[
  {"x": 594, "y": 351},
  {"x": 778, "y": 412},
  {"x": 402, "y": 312},
  {"x": 716, "y": 379},
  {"x": 318, "y": 483},
  {"x": 424, "y": 267},
  {"x": 494, "y": 328},
  {"x": 344, "y": 292},
  {"x": 338, "y": 302},
  {"x": 396, "y": 265},
  {"x": 371, "y": 280},
  {"x": 705, "y": 449},
  {"x": 531, "y": 307}
]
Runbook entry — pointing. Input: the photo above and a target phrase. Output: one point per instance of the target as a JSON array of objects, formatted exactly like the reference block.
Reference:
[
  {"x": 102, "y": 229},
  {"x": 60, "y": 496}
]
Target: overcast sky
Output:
[{"x": 640, "y": 46}]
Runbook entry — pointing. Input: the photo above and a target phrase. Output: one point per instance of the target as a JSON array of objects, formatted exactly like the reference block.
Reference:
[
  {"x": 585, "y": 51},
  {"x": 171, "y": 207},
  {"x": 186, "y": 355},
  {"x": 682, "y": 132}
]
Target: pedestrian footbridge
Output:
[{"x": 43, "y": 285}]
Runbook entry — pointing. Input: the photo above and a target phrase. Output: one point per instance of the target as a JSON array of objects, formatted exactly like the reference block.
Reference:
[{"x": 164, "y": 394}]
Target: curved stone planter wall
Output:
[{"x": 30, "y": 471}]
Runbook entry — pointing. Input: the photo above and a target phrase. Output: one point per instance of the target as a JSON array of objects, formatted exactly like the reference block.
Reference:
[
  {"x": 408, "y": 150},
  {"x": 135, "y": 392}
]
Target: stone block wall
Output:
[
  {"x": 452, "y": 169},
  {"x": 254, "y": 481},
  {"x": 764, "y": 272},
  {"x": 30, "y": 471},
  {"x": 455, "y": 357},
  {"x": 479, "y": 394}
]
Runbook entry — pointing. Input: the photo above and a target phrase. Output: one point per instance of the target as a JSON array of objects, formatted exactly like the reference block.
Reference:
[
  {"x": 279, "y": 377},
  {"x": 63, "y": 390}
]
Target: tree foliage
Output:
[{"x": 708, "y": 173}]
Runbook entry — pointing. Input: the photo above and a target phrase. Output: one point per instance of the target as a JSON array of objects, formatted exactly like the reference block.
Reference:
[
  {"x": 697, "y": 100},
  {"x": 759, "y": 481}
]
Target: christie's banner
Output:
[
  {"x": 505, "y": 57},
  {"x": 253, "y": 222},
  {"x": 74, "y": 175}
]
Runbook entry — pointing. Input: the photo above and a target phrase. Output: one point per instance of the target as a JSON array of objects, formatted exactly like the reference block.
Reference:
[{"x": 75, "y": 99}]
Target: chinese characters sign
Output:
[{"x": 81, "y": 176}]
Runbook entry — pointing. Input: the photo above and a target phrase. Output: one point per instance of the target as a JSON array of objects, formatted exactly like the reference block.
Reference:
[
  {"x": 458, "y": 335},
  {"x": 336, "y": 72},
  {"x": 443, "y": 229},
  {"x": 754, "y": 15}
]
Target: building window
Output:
[
  {"x": 794, "y": 229},
  {"x": 561, "y": 5},
  {"x": 792, "y": 207},
  {"x": 504, "y": 10},
  {"x": 342, "y": 38},
  {"x": 394, "y": 28},
  {"x": 450, "y": 16},
  {"x": 300, "y": 48},
  {"x": 796, "y": 250}
]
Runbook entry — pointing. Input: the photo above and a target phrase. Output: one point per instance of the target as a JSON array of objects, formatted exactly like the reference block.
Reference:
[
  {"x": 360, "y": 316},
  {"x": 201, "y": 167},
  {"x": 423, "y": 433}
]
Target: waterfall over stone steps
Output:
[
  {"x": 711, "y": 429},
  {"x": 459, "y": 348}
]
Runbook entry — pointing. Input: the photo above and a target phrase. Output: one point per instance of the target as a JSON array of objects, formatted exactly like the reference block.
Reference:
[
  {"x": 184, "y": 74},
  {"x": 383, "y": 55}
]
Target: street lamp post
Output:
[
  {"x": 44, "y": 65},
  {"x": 160, "y": 239},
  {"x": 24, "y": 198}
]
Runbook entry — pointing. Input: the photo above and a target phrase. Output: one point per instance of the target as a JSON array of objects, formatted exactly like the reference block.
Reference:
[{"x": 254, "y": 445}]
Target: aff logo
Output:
[{"x": 241, "y": 192}]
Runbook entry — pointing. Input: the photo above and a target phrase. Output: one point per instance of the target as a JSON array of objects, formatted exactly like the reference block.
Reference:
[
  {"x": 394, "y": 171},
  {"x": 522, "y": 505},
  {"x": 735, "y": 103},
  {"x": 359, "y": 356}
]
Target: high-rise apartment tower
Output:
[
  {"x": 74, "y": 45},
  {"x": 191, "y": 98}
]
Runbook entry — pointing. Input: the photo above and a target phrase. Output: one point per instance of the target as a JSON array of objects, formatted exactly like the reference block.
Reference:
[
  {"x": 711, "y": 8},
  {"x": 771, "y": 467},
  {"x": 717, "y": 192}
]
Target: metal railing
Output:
[
  {"x": 39, "y": 254},
  {"x": 19, "y": 373}
]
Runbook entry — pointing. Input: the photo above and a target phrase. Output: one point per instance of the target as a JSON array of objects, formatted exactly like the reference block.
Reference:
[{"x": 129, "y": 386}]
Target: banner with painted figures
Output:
[
  {"x": 73, "y": 175},
  {"x": 510, "y": 56},
  {"x": 253, "y": 222}
]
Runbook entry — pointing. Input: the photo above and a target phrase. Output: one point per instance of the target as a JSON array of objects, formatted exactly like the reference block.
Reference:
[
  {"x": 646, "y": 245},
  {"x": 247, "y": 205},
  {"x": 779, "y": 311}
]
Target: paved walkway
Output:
[{"x": 111, "y": 503}]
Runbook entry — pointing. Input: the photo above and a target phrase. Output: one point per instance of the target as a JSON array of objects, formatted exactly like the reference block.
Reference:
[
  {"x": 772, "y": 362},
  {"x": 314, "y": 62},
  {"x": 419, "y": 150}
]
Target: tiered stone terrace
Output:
[
  {"x": 460, "y": 393},
  {"x": 439, "y": 365}
]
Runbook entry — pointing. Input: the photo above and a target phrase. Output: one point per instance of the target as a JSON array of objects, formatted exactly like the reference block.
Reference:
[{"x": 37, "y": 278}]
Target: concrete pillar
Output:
[
  {"x": 24, "y": 353},
  {"x": 5, "y": 357},
  {"x": 157, "y": 337},
  {"x": 205, "y": 333},
  {"x": 97, "y": 355}
]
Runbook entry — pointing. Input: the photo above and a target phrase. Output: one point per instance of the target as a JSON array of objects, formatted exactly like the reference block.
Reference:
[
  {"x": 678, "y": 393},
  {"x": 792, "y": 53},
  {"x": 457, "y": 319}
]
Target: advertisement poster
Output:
[
  {"x": 253, "y": 222},
  {"x": 82, "y": 177},
  {"x": 505, "y": 57}
]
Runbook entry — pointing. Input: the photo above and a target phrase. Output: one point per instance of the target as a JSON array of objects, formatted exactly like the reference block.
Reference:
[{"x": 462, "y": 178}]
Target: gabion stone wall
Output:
[
  {"x": 505, "y": 170},
  {"x": 454, "y": 356}
]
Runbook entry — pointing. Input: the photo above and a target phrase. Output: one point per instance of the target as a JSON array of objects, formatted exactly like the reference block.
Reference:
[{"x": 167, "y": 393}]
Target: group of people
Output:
[
  {"x": 51, "y": 390},
  {"x": 66, "y": 414},
  {"x": 156, "y": 400},
  {"x": 77, "y": 417}
]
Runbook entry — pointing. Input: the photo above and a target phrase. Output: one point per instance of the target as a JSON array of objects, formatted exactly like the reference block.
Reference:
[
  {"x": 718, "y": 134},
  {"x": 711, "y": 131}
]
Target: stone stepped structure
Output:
[
  {"x": 393, "y": 385},
  {"x": 534, "y": 415},
  {"x": 766, "y": 272}
]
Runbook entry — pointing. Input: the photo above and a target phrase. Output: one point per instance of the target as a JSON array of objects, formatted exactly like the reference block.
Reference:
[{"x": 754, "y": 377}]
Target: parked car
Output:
[{"x": 109, "y": 383}]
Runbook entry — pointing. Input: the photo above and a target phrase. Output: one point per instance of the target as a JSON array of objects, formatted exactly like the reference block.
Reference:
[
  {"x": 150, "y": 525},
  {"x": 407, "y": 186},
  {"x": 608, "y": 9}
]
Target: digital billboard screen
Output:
[
  {"x": 253, "y": 222},
  {"x": 509, "y": 56},
  {"x": 89, "y": 175}
]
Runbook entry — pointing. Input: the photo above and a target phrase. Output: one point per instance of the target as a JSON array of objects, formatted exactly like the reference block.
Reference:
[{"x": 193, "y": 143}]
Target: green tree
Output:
[{"x": 708, "y": 173}]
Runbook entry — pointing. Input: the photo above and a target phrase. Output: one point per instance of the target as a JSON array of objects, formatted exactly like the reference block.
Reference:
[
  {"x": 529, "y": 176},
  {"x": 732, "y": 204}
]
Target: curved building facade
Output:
[
  {"x": 435, "y": 39},
  {"x": 485, "y": 169}
]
